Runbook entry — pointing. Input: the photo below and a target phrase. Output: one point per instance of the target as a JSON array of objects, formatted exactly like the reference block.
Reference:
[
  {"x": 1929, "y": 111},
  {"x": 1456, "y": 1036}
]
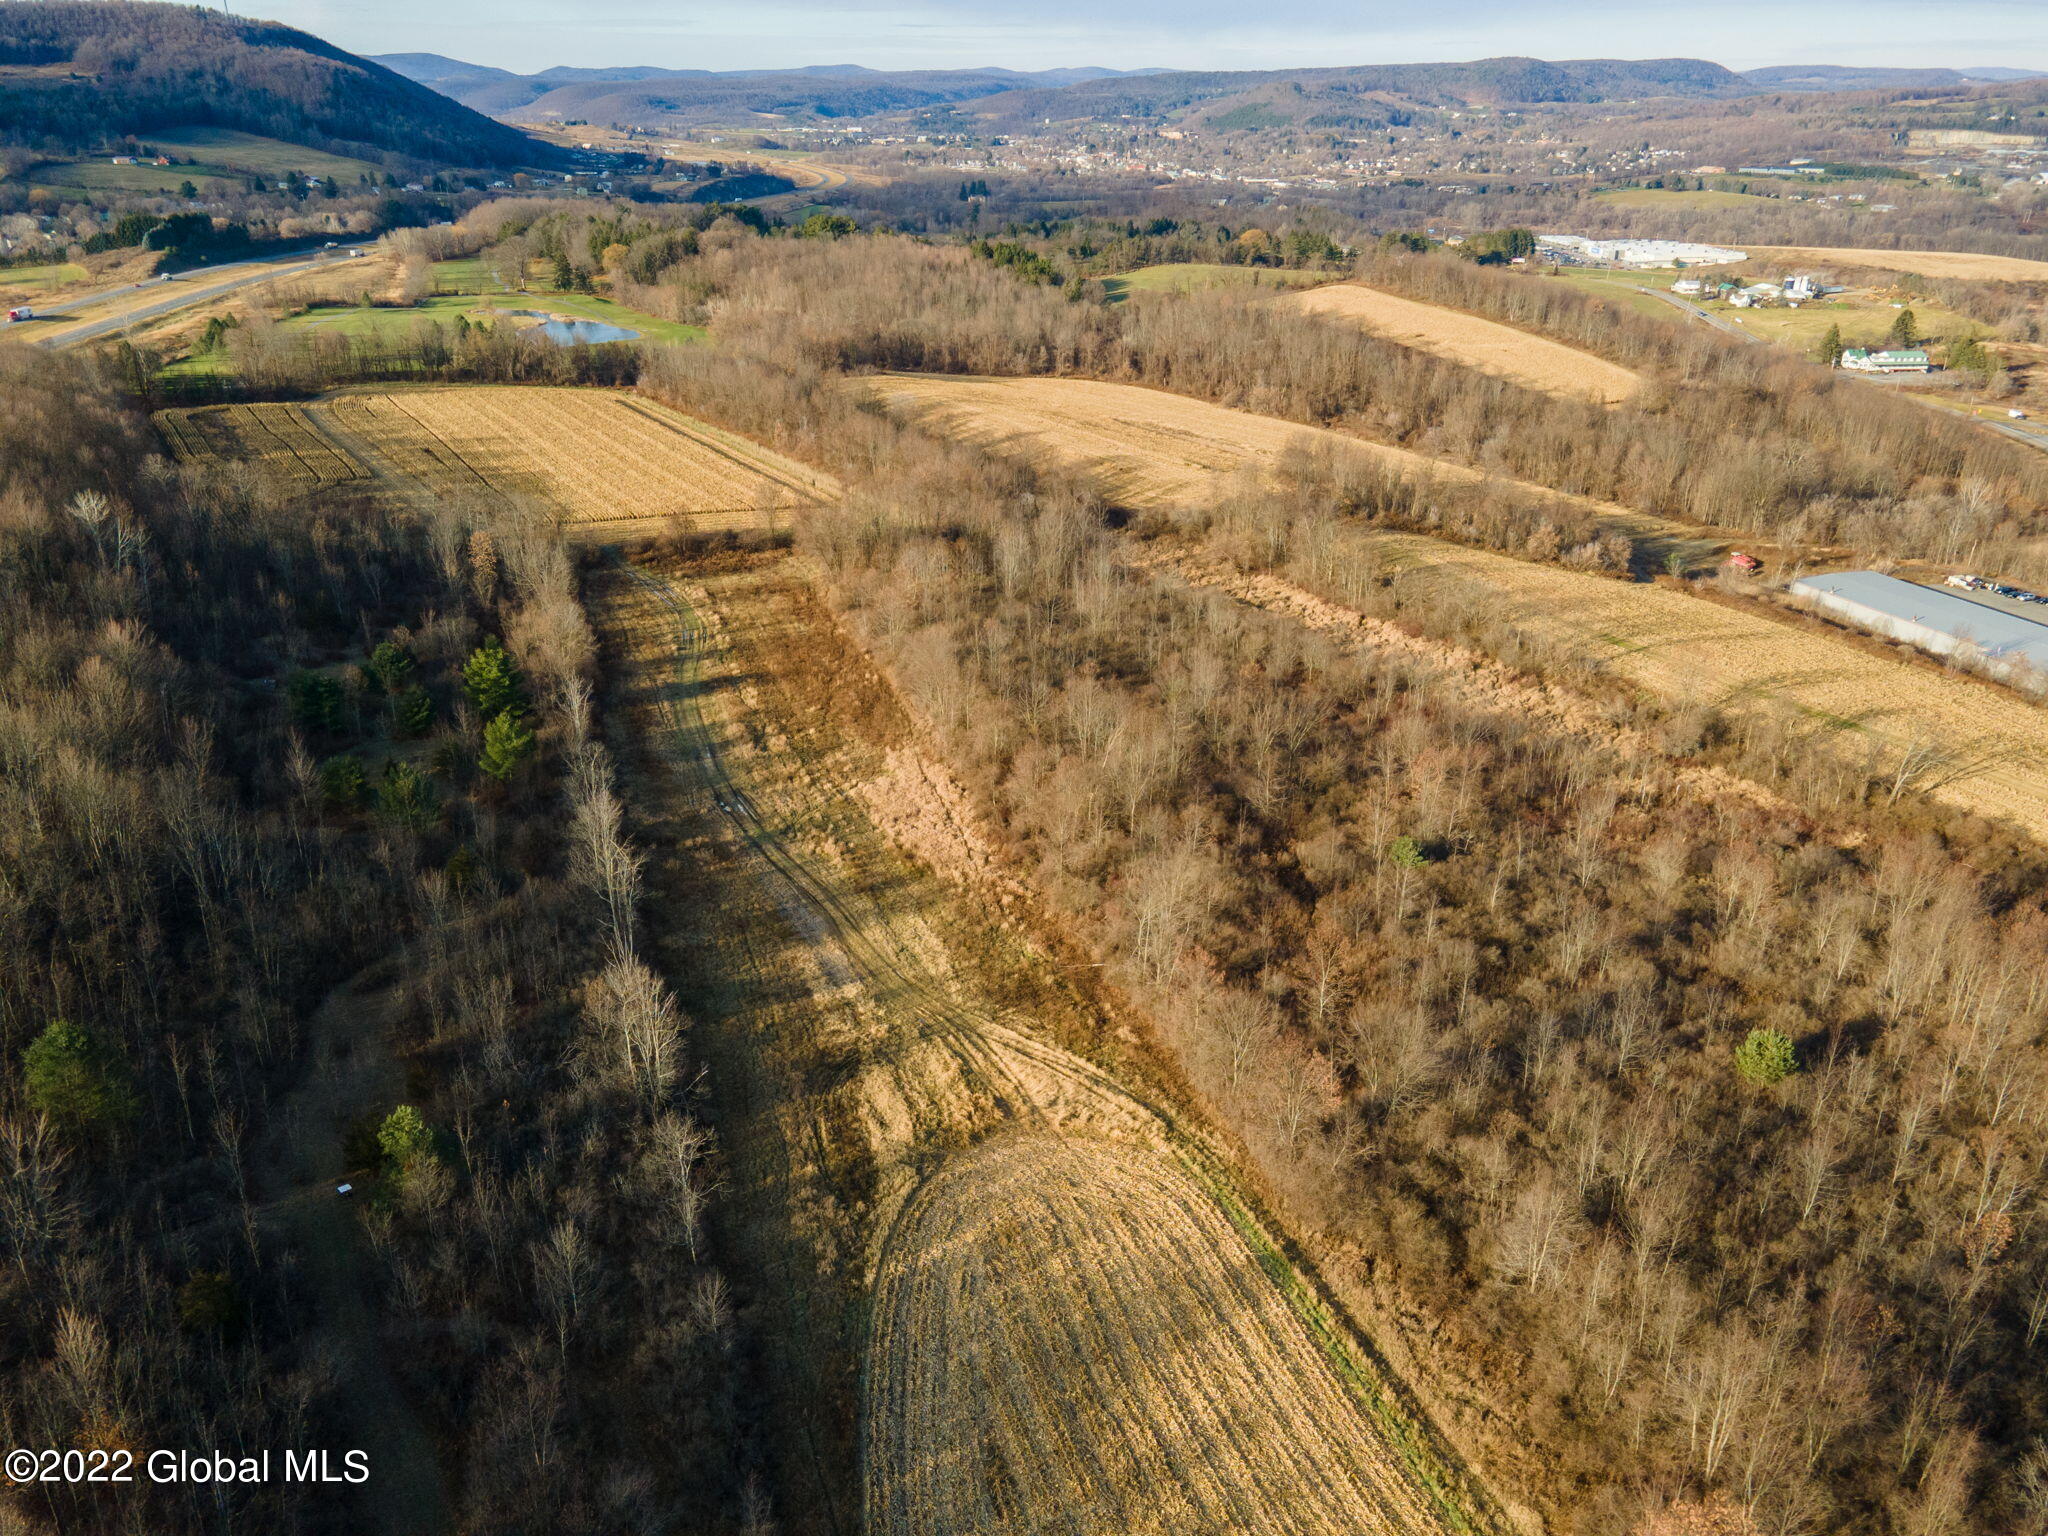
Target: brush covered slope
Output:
[{"x": 73, "y": 72}]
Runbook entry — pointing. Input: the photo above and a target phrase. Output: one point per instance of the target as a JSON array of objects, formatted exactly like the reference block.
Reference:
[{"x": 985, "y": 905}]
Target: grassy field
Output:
[
  {"x": 473, "y": 277},
  {"x": 1188, "y": 276},
  {"x": 1150, "y": 448},
  {"x": 104, "y": 176},
  {"x": 900, "y": 1096},
  {"x": 1621, "y": 287},
  {"x": 252, "y": 152},
  {"x": 1534, "y": 362},
  {"x": 1864, "y": 321},
  {"x": 30, "y": 282},
  {"x": 1659, "y": 197}
]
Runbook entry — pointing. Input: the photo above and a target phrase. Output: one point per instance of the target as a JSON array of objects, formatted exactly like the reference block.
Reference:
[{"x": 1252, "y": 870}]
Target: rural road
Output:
[
  {"x": 179, "y": 292},
  {"x": 1696, "y": 313}
]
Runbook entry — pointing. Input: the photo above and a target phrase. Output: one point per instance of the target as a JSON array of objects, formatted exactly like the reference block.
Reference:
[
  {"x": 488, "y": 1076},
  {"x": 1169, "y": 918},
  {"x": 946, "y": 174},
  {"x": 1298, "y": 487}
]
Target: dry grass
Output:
[
  {"x": 610, "y": 462},
  {"x": 1072, "y": 1336},
  {"x": 1980, "y": 748},
  {"x": 1501, "y": 350},
  {"x": 1965, "y": 264},
  {"x": 1147, "y": 447}
]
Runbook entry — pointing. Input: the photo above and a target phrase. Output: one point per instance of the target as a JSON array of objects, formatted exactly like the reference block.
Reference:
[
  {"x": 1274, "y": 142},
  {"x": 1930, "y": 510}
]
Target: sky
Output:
[{"x": 529, "y": 35}]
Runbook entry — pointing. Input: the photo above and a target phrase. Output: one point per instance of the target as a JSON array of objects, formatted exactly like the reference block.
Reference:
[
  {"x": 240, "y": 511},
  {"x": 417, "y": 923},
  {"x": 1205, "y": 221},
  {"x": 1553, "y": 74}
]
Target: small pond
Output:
[{"x": 569, "y": 333}]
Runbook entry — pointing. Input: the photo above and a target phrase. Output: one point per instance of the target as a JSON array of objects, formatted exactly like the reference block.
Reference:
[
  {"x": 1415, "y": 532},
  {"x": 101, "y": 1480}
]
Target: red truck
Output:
[{"x": 1747, "y": 564}]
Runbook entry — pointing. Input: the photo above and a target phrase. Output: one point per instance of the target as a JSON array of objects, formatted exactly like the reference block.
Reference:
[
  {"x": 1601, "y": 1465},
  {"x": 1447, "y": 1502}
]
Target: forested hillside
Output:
[{"x": 73, "y": 72}]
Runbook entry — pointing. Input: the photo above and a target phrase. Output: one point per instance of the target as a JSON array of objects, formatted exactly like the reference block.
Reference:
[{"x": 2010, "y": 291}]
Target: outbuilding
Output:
[{"x": 1934, "y": 620}]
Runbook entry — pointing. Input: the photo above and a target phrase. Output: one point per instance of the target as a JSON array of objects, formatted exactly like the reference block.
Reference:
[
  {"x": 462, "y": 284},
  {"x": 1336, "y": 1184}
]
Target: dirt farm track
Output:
[{"x": 1154, "y": 449}]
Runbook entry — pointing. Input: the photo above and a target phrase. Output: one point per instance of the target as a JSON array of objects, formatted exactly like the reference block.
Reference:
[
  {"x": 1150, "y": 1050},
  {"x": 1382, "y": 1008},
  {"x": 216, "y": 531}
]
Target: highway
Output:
[{"x": 180, "y": 291}]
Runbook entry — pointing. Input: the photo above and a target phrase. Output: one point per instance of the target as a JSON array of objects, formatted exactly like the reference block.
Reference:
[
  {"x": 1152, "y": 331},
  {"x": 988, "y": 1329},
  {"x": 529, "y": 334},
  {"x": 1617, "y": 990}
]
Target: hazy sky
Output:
[{"x": 529, "y": 35}]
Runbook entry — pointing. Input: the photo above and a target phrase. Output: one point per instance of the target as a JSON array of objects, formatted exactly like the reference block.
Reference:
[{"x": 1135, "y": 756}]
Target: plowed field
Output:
[
  {"x": 610, "y": 462},
  {"x": 1517, "y": 356},
  {"x": 1070, "y": 1336},
  {"x": 1151, "y": 448}
]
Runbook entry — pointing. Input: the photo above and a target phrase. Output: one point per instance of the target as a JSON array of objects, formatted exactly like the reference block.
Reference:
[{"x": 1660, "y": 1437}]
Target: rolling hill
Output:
[
  {"x": 77, "y": 72},
  {"x": 642, "y": 93}
]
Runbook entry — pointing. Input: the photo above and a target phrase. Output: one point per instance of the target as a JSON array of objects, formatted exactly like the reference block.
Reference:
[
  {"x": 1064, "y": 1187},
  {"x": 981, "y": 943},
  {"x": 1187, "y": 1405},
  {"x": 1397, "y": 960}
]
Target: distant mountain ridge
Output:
[
  {"x": 1333, "y": 97},
  {"x": 1849, "y": 77},
  {"x": 74, "y": 72},
  {"x": 641, "y": 91}
]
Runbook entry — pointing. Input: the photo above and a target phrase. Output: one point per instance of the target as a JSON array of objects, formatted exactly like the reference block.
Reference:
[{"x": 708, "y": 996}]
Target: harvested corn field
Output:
[
  {"x": 281, "y": 439},
  {"x": 1535, "y": 362},
  {"x": 1977, "y": 746},
  {"x": 1071, "y": 1336},
  {"x": 1964, "y": 264},
  {"x": 609, "y": 462},
  {"x": 1146, "y": 447}
]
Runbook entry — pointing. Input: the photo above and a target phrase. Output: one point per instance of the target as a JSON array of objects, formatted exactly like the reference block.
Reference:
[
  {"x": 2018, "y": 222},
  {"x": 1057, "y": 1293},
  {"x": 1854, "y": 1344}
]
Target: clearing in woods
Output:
[
  {"x": 1535, "y": 362},
  {"x": 609, "y": 462},
  {"x": 1976, "y": 746}
]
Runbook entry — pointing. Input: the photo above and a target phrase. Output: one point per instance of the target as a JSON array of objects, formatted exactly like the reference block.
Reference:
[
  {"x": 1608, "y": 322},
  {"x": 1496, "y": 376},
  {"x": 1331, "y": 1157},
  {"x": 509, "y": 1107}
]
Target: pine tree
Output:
[
  {"x": 507, "y": 744},
  {"x": 1905, "y": 331},
  {"x": 75, "y": 1078},
  {"x": 317, "y": 702},
  {"x": 492, "y": 681},
  {"x": 412, "y": 711},
  {"x": 1766, "y": 1058},
  {"x": 1830, "y": 350},
  {"x": 342, "y": 783},
  {"x": 393, "y": 665}
]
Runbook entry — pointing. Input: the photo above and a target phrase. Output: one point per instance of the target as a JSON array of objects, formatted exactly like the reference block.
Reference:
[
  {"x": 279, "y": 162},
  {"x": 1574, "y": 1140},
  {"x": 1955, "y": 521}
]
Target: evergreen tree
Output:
[
  {"x": 1830, "y": 349},
  {"x": 1765, "y": 1058},
  {"x": 405, "y": 1137},
  {"x": 412, "y": 711},
  {"x": 75, "y": 1078},
  {"x": 492, "y": 681},
  {"x": 317, "y": 701},
  {"x": 342, "y": 783},
  {"x": 507, "y": 744},
  {"x": 406, "y": 796},
  {"x": 1905, "y": 331},
  {"x": 393, "y": 665}
]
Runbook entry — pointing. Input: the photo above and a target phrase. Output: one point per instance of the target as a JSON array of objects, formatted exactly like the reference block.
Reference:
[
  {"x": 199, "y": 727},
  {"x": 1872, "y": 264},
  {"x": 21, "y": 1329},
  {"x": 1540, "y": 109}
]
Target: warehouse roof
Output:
[{"x": 2001, "y": 635}]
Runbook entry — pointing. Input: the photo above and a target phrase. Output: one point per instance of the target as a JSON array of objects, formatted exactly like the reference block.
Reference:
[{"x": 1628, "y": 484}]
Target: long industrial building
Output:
[{"x": 1937, "y": 621}]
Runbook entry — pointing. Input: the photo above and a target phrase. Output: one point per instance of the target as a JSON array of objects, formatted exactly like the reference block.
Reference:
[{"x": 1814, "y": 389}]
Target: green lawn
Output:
[
  {"x": 1621, "y": 288},
  {"x": 252, "y": 152},
  {"x": 48, "y": 275},
  {"x": 443, "y": 309},
  {"x": 1189, "y": 276},
  {"x": 102, "y": 175}
]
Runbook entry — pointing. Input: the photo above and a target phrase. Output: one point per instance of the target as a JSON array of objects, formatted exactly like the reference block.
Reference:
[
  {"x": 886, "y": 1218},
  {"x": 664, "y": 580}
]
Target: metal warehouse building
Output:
[{"x": 1936, "y": 621}]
